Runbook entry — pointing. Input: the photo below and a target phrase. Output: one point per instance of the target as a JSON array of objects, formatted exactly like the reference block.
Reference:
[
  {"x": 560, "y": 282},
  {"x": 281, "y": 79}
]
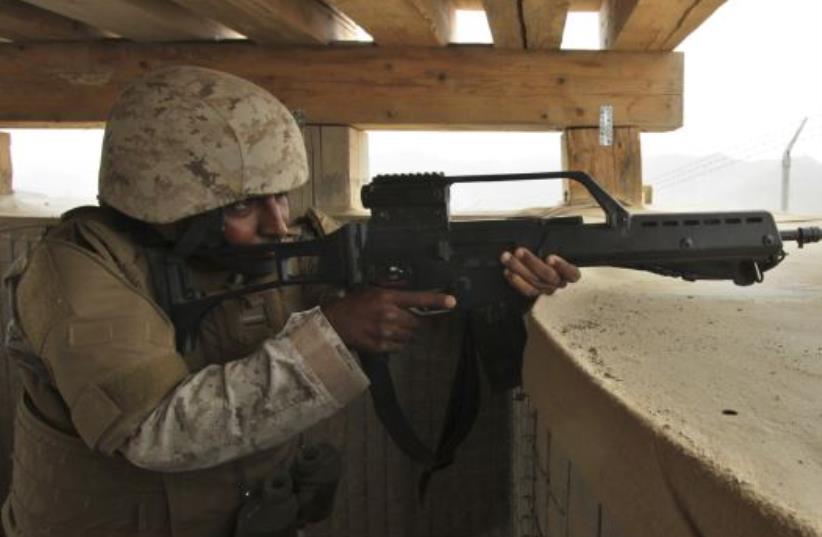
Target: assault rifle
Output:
[{"x": 411, "y": 242}]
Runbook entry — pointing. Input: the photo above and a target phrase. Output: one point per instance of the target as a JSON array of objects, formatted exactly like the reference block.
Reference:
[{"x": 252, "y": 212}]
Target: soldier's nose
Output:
[{"x": 274, "y": 218}]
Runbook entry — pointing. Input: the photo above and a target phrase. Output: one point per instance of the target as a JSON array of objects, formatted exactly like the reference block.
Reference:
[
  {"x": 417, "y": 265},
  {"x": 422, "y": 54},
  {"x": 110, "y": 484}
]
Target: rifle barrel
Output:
[{"x": 802, "y": 235}]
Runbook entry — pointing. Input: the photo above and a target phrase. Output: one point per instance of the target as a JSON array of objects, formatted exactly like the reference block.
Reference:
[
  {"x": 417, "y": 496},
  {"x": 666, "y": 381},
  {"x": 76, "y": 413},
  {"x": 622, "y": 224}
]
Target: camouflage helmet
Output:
[{"x": 184, "y": 140}]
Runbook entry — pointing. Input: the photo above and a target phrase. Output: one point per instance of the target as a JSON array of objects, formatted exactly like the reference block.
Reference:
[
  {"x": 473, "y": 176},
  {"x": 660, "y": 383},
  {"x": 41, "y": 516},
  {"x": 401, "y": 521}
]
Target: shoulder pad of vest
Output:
[{"x": 321, "y": 223}]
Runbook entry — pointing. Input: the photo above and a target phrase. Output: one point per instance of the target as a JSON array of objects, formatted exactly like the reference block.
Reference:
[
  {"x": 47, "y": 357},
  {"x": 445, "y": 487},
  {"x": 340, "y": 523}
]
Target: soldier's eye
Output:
[{"x": 239, "y": 208}]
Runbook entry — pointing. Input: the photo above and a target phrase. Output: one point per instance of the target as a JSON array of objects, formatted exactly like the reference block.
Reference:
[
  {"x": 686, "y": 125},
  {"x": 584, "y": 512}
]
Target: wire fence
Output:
[{"x": 767, "y": 145}]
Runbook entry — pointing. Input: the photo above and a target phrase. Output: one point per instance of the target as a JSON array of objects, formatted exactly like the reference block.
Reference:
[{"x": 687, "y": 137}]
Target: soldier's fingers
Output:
[
  {"x": 524, "y": 287},
  {"x": 540, "y": 268},
  {"x": 568, "y": 271},
  {"x": 423, "y": 299},
  {"x": 386, "y": 345},
  {"x": 396, "y": 335},
  {"x": 398, "y": 318},
  {"x": 517, "y": 267}
]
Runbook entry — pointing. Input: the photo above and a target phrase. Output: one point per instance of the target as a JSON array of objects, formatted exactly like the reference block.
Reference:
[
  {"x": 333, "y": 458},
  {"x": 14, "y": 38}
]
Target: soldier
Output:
[{"x": 118, "y": 433}]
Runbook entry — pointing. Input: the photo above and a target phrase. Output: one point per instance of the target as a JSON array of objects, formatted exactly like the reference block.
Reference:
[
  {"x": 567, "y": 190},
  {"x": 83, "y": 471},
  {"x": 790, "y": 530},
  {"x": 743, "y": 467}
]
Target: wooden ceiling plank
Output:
[
  {"x": 140, "y": 20},
  {"x": 450, "y": 87},
  {"x": 651, "y": 24},
  {"x": 690, "y": 21},
  {"x": 402, "y": 22},
  {"x": 544, "y": 22},
  {"x": 575, "y": 5},
  {"x": 505, "y": 21},
  {"x": 23, "y": 22},
  {"x": 533, "y": 24},
  {"x": 277, "y": 21},
  {"x": 586, "y": 5}
]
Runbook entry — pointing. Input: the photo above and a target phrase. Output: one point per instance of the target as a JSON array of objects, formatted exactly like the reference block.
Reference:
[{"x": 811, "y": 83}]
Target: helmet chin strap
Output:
[{"x": 203, "y": 232}]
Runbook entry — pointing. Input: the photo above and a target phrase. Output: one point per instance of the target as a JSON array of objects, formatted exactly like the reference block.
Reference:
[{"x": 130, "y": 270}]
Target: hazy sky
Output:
[{"x": 753, "y": 71}]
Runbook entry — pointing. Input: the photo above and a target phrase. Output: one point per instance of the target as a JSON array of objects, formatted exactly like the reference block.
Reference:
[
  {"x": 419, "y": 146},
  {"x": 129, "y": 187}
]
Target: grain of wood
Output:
[
  {"x": 651, "y": 24},
  {"x": 544, "y": 23},
  {"x": 617, "y": 168},
  {"x": 402, "y": 22},
  {"x": 20, "y": 21},
  {"x": 6, "y": 171},
  {"x": 277, "y": 21},
  {"x": 450, "y": 88},
  {"x": 140, "y": 20}
]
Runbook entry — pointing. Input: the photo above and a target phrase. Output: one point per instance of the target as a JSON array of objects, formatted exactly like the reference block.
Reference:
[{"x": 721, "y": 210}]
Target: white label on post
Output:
[{"x": 606, "y": 125}]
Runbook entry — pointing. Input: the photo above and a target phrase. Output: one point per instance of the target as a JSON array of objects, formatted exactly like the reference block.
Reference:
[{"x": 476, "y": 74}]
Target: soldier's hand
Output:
[
  {"x": 372, "y": 319},
  {"x": 533, "y": 276}
]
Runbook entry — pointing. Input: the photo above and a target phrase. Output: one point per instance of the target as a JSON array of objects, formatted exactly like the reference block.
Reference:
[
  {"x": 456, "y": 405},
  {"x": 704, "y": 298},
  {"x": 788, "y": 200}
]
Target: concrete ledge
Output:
[
  {"x": 687, "y": 409},
  {"x": 30, "y": 205}
]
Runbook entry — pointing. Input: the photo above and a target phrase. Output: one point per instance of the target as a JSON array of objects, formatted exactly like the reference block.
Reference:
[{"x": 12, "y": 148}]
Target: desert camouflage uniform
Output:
[{"x": 119, "y": 434}]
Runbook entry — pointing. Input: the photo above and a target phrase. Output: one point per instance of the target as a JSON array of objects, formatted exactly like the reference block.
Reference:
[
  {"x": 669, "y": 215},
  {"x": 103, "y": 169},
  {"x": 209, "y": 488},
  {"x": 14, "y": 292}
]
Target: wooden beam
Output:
[
  {"x": 617, "y": 167},
  {"x": 368, "y": 86},
  {"x": 338, "y": 162},
  {"x": 651, "y": 24},
  {"x": 585, "y": 5},
  {"x": 402, "y": 22},
  {"x": 140, "y": 20},
  {"x": 536, "y": 24},
  {"x": 505, "y": 21},
  {"x": 575, "y": 5},
  {"x": 544, "y": 22},
  {"x": 690, "y": 21},
  {"x": 23, "y": 22},
  {"x": 5, "y": 163},
  {"x": 277, "y": 21}
]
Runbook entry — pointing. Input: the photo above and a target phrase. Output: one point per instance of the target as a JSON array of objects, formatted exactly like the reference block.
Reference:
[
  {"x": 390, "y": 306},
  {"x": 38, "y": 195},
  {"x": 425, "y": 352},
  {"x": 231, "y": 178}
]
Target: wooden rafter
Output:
[
  {"x": 651, "y": 24},
  {"x": 277, "y": 21},
  {"x": 140, "y": 20},
  {"x": 402, "y": 22},
  {"x": 537, "y": 24},
  {"x": 505, "y": 21},
  {"x": 23, "y": 22},
  {"x": 383, "y": 87},
  {"x": 575, "y": 5},
  {"x": 5, "y": 164},
  {"x": 544, "y": 22}
]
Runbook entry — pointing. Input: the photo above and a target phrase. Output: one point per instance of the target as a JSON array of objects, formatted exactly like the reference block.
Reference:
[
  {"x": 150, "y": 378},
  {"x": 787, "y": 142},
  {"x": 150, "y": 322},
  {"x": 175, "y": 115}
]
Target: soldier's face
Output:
[{"x": 256, "y": 220}]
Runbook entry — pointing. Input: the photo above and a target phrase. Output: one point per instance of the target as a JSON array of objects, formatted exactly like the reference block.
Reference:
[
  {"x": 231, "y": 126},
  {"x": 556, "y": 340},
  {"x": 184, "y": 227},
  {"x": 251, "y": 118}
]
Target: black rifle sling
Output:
[
  {"x": 388, "y": 409},
  {"x": 460, "y": 414},
  {"x": 499, "y": 338},
  {"x": 463, "y": 405}
]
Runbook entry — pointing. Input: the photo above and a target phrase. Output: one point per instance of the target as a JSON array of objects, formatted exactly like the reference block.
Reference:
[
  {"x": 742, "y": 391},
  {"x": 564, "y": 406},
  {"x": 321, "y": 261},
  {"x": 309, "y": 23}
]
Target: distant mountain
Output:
[{"x": 721, "y": 182}]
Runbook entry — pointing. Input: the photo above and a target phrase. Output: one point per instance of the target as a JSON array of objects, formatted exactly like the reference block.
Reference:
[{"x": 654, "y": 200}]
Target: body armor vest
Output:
[{"x": 62, "y": 488}]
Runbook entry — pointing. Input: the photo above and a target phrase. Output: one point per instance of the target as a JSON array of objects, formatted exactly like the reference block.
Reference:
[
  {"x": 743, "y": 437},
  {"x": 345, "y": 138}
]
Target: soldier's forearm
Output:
[{"x": 222, "y": 413}]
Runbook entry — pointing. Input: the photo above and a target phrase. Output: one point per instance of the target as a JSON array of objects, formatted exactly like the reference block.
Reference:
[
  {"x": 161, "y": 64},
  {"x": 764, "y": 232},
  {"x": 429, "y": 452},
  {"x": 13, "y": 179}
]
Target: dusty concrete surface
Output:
[
  {"x": 691, "y": 408},
  {"x": 30, "y": 205}
]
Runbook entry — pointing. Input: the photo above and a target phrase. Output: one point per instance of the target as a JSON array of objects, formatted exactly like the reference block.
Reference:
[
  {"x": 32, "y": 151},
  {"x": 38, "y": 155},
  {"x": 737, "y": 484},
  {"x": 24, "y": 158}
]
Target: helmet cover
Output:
[{"x": 184, "y": 140}]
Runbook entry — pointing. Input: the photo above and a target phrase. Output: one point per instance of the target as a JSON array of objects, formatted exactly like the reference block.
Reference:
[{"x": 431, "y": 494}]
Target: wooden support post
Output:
[
  {"x": 5, "y": 163},
  {"x": 338, "y": 162},
  {"x": 618, "y": 167}
]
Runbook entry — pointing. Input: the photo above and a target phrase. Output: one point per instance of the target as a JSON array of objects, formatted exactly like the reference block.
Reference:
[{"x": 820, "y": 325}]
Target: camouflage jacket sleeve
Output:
[{"x": 224, "y": 412}]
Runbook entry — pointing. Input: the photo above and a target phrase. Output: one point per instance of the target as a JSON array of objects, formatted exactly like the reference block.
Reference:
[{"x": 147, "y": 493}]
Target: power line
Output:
[
  {"x": 773, "y": 139},
  {"x": 712, "y": 163}
]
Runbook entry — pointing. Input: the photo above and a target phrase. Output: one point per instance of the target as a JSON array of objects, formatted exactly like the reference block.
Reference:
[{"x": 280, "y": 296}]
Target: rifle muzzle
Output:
[{"x": 802, "y": 235}]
